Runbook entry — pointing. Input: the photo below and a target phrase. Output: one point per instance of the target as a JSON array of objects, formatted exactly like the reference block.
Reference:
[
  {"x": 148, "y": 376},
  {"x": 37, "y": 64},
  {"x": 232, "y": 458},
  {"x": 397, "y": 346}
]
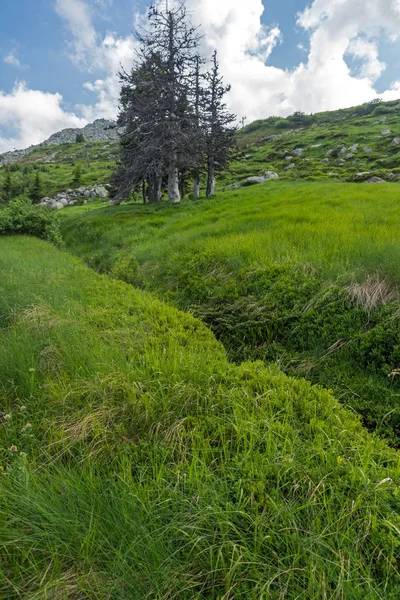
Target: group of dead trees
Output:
[{"x": 177, "y": 129}]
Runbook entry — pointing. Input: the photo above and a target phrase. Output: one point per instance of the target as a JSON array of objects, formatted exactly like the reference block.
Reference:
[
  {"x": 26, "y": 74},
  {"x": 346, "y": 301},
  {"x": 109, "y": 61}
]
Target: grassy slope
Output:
[
  {"x": 266, "y": 267},
  {"x": 262, "y": 145},
  {"x": 146, "y": 476}
]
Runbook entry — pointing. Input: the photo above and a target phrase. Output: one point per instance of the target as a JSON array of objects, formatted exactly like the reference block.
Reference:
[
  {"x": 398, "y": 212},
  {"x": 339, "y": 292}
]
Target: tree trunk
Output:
[
  {"x": 211, "y": 177},
  {"x": 173, "y": 182},
  {"x": 196, "y": 184},
  {"x": 158, "y": 189},
  {"x": 144, "y": 192},
  {"x": 183, "y": 184}
]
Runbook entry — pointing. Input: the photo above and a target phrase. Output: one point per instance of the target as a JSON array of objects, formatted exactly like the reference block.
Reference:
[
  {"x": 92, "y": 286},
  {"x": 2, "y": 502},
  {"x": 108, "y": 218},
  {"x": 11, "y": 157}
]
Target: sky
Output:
[{"x": 59, "y": 59}]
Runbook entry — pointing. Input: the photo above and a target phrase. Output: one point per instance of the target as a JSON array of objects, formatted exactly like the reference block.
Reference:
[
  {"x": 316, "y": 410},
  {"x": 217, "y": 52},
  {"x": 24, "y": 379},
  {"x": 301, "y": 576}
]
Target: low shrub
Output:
[{"x": 20, "y": 216}]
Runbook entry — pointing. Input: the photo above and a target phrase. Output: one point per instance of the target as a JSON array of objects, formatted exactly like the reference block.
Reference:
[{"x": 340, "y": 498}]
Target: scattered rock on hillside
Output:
[
  {"x": 271, "y": 175},
  {"x": 353, "y": 148},
  {"x": 325, "y": 161},
  {"x": 254, "y": 180},
  {"x": 291, "y": 166},
  {"x": 362, "y": 174},
  {"x": 368, "y": 150},
  {"x": 316, "y": 146},
  {"x": 289, "y": 158},
  {"x": 396, "y": 141},
  {"x": 386, "y": 131},
  {"x": 298, "y": 151},
  {"x": 68, "y": 198},
  {"x": 349, "y": 156},
  {"x": 375, "y": 180}
]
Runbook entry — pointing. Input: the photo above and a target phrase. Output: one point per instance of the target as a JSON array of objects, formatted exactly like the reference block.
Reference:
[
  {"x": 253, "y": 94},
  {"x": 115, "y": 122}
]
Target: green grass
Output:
[
  {"x": 267, "y": 268},
  {"x": 154, "y": 468}
]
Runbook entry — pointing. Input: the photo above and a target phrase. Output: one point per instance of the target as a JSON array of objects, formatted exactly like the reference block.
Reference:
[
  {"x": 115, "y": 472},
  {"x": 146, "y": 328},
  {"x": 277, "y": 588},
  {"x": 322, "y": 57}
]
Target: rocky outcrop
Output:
[
  {"x": 101, "y": 130},
  {"x": 70, "y": 197}
]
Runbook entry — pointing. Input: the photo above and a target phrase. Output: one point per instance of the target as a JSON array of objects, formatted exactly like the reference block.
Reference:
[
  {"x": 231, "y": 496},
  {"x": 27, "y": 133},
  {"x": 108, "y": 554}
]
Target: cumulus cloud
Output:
[
  {"x": 336, "y": 29},
  {"x": 33, "y": 115},
  {"x": 12, "y": 60},
  {"x": 323, "y": 81}
]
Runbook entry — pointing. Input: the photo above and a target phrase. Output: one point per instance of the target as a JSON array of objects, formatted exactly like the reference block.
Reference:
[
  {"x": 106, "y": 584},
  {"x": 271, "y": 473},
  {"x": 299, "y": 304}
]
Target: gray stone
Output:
[
  {"x": 396, "y": 141},
  {"x": 349, "y": 156},
  {"x": 325, "y": 161},
  {"x": 353, "y": 148},
  {"x": 101, "y": 191},
  {"x": 362, "y": 174},
  {"x": 289, "y": 158},
  {"x": 375, "y": 180},
  {"x": 341, "y": 161},
  {"x": 367, "y": 150},
  {"x": 316, "y": 146},
  {"x": 254, "y": 180},
  {"x": 271, "y": 175},
  {"x": 57, "y": 205},
  {"x": 386, "y": 131},
  {"x": 298, "y": 151},
  {"x": 291, "y": 166}
]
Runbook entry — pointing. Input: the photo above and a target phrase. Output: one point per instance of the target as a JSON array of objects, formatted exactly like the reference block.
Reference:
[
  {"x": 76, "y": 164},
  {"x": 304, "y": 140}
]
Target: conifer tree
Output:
[
  {"x": 219, "y": 138},
  {"x": 7, "y": 188},
  {"x": 35, "y": 192},
  {"x": 77, "y": 180}
]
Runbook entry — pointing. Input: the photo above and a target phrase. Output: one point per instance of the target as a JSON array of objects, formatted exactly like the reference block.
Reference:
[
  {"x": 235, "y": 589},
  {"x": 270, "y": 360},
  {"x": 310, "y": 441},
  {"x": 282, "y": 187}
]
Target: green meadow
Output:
[
  {"x": 302, "y": 275},
  {"x": 137, "y": 462}
]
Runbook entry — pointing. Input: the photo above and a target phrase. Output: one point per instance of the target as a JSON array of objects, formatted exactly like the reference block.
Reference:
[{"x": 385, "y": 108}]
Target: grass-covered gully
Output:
[
  {"x": 137, "y": 462},
  {"x": 304, "y": 275}
]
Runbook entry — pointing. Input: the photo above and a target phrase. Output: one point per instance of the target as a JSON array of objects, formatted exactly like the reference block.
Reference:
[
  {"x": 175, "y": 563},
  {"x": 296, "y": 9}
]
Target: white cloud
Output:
[
  {"x": 324, "y": 80},
  {"x": 33, "y": 115},
  {"x": 78, "y": 19},
  {"x": 12, "y": 60}
]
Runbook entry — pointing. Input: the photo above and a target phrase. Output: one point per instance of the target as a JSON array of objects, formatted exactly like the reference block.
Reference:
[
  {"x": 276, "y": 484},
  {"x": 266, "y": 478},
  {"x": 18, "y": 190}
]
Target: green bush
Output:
[{"x": 20, "y": 216}]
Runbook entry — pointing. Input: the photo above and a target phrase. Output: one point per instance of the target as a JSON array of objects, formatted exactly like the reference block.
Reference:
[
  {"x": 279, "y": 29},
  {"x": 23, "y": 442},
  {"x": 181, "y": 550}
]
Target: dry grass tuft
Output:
[{"x": 375, "y": 290}]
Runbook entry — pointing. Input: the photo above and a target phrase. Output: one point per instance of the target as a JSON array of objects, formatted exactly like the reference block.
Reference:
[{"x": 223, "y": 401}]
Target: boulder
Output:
[
  {"x": 271, "y": 175},
  {"x": 57, "y": 205},
  {"x": 362, "y": 174},
  {"x": 254, "y": 180},
  {"x": 289, "y": 158},
  {"x": 386, "y": 132},
  {"x": 353, "y": 148},
  {"x": 325, "y": 161},
  {"x": 298, "y": 151},
  {"x": 375, "y": 180},
  {"x": 291, "y": 166},
  {"x": 350, "y": 155},
  {"x": 396, "y": 141},
  {"x": 316, "y": 146}
]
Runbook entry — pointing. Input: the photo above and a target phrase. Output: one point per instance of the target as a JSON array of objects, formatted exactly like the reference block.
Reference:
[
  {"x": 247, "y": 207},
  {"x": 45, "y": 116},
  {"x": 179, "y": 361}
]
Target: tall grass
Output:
[
  {"x": 151, "y": 467},
  {"x": 272, "y": 270}
]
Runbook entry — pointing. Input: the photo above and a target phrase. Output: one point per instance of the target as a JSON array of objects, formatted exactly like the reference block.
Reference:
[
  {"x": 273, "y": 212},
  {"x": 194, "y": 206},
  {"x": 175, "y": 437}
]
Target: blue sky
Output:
[{"x": 58, "y": 58}]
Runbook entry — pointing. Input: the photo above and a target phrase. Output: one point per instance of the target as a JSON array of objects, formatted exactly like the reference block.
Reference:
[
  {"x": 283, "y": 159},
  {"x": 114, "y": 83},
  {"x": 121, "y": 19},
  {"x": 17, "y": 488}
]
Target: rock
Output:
[
  {"x": 291, "y": 166},
  {"x": 289, "y": 158},
  {"x": 254, "y": 180},
  {"x": 343, "y": 151},
  {"x": 386, "y": 131},
  {"x": 57, "y": 205},
  {"x": 271, "y": 175},
  {"x": 341, "y": 161},
  {"x": 375, "y": 180},
  {"x": 63, "y": 201},
  {"x": 349, "y": 156},
  {"x": 316, "y": 146},
  {"x": 367, "y": 150},
  {"x": 325, "y": 161},
  {"x": 101, "y": 191},
  {"x": 298, "y": 151},
  {"x": 396, "y": 141},
  {"x": 353, "y": 148},
  {"x": 362, "y": 174},
  {"x": 329, "y": 153},
  {"x": 393, "y": 177}
]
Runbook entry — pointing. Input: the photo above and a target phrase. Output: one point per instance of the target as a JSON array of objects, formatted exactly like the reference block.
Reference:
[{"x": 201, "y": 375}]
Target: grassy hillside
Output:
[
  {"x": 305, "y": 275},
  {"x": 138, "y": 463},
  {"x": 333, "y": 145}
]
